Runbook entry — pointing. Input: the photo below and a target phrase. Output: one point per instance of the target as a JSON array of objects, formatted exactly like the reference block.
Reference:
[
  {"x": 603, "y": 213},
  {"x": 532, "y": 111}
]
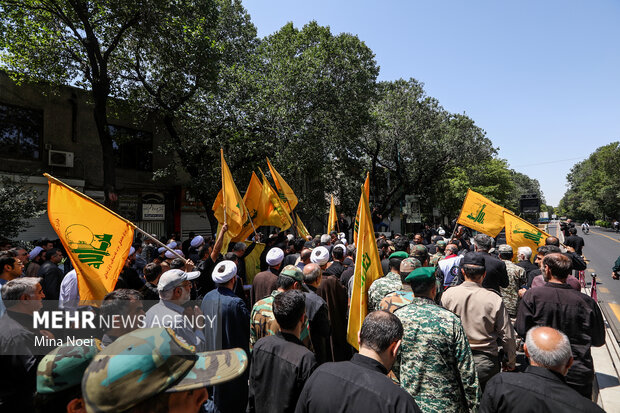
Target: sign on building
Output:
[{"x": 153, "y": 212}]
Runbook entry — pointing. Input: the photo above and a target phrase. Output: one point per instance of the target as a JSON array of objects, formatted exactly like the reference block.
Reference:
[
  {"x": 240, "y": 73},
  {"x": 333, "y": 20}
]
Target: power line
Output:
[{"x": 549, "y": 162}]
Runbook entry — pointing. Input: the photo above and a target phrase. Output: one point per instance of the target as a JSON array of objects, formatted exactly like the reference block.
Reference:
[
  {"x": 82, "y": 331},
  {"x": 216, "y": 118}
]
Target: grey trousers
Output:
[{"x": 487, "y": 366}]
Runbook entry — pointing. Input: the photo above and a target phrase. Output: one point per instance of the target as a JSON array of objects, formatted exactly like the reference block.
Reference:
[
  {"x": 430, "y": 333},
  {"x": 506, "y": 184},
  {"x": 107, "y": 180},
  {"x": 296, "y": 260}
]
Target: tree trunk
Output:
[{"x": 100, "y": 96}]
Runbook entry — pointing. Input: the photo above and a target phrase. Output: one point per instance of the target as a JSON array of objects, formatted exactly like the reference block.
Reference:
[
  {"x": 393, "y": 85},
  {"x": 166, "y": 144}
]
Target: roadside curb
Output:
[{"x": 606, "y": 388}]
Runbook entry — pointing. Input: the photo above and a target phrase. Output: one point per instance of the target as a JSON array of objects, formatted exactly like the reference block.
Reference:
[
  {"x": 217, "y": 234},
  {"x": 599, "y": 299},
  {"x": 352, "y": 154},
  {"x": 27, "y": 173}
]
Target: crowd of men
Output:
[{"x": 445, "y": 325}]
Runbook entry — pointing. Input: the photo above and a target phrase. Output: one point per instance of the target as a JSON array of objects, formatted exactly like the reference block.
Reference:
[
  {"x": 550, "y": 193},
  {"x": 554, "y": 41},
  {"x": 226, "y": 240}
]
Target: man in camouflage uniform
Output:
[
  {"x": 59, "y": 376},
  {"x": 439, "y": 255},
  {"x": 435, "y": 363},
  {"x": 262, "y": 321},
  {"x": 397, "y": 299},
  {"x": 388, "y": 283},
  {"x": 516, "y": 278},
  {"x": 153, "y": 369},
  {"x": 420, "y": 252}
]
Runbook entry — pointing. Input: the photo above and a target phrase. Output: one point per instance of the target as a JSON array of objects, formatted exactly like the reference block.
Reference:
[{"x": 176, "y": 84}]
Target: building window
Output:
[
  {"x": 133, "y": 149},
  {"x": 21, "y": 132}
]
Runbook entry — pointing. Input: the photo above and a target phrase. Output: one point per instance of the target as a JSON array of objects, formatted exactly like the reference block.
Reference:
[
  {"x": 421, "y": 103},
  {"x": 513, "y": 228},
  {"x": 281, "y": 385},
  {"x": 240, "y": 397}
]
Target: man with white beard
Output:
[{"x": 174, "y": 289}]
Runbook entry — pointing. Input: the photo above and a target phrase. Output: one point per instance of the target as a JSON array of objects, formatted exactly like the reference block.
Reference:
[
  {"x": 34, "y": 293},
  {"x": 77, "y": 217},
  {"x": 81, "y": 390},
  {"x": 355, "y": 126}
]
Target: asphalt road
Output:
[{"x": 601, "y": 249}]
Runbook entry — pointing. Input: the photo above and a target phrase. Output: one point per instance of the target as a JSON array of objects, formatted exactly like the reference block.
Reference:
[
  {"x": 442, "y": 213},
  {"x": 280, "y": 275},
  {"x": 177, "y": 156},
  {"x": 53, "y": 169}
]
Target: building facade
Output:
[{"x": 53, "y": 130}]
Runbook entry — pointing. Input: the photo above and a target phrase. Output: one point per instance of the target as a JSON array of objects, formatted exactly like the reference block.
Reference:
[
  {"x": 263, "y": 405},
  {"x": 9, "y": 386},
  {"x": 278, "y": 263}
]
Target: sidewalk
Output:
[
  {"x": 606, "y": 359},
  {"x": 606, "y": 368}
]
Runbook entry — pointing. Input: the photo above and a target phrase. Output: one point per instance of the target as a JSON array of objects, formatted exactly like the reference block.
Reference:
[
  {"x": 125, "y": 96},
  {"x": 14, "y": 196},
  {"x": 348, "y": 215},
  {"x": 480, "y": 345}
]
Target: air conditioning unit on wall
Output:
[{"x": 60, "y": 158}]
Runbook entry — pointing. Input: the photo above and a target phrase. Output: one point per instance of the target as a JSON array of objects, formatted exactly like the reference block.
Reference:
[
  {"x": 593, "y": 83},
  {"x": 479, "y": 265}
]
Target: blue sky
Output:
[{"x": 541, "y": 78}]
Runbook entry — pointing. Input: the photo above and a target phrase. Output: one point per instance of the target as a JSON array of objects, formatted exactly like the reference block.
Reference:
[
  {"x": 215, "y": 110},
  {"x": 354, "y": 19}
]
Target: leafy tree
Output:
[
  {"x": 594, "y": 186},
  {"x": 414, "y": 146},
  {"x": 18, "y": 204},
  {"x": 315, "y": 90},
  {"x": 523, "y": 185},
  {"x": 187, "y": 62},
  {"x": 491, "y": 178},
  {"x": 71, "y": 42}
]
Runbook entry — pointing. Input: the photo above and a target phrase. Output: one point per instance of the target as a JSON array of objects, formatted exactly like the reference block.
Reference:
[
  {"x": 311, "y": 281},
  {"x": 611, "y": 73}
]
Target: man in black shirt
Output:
[
  {"x": 317, "y": 313},
  {"x": 497, "y": 276},
  {"x": 574, "y": 241},
  {"x": 361, "y": 385},
  {"x": 51, "y": 274},
  {"x": 542, "y": 387},
  {"x": 281, "y": 364},
  {"x": 556, "y": 304},
  {"x": 336, "y": 268}
]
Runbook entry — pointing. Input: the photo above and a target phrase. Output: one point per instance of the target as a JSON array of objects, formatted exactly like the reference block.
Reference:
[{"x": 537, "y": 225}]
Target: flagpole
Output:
[
  {"x": 134, "y": 226},
  {"x": 335, "y": 213},
  {"x": 223, "y": 186},
  {"x": 161, "y": 244}
]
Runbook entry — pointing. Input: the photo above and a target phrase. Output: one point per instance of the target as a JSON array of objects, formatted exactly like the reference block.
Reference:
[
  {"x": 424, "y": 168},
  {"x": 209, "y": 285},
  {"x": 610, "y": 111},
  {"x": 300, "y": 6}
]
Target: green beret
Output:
[
  {"x": 421, "y": 274},
  {"x": 399, "y": 254}
]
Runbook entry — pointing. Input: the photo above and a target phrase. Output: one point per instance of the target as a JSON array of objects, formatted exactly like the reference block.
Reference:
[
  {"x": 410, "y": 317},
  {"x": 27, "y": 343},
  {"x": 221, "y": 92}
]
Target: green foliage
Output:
[
  {"x": 601, "y": 223},
  {"x": 314, "y": 92},
  {"x": 491, "y": 178},
  {"x": 305, "y": 97},
  {"x": 18, "y": 203},
  {"x": 594, "y": 186},
  {"x": 72, "y": 42}
]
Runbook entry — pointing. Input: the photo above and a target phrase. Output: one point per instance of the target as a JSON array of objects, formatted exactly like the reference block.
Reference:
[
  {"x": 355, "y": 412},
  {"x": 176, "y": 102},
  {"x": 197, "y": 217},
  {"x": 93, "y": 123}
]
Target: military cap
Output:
[
  {"x": 473, "y": 258},
  {"x": 504, "y": 248},
  {"x": 419, "y": 248},
  {"x": 441, "y": 243},
  {"x": 421, "y": 274},
  {"x": 293, "y": 272},
  {"x": 146, "y": 362},
  {"x": 409, "y": 264},
  {"x": 399, "y": 254},
  {"x": 63, "y": 367}
]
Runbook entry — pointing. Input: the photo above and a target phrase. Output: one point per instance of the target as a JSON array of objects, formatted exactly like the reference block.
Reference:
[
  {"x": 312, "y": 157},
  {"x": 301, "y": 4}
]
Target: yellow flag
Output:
[
  {"x": 252, "y": 261},
  {"x": 286, "y": 194},
  {"x": 520, "y": 233},
  {"x": 95, "y": 238},
  {"x": 228, "y": 206},
  {"x": 356, "y": 224},
  {"x": 226, "y": 240},
  {"x": 367, "y": 270},
  {"x": 276, "y": 214},
  {"x": 482, "y": 215},
  {"x": 301, "y": 228},
  {"x": 332, "y": 219},
  {"x": 254, "y": 207}
]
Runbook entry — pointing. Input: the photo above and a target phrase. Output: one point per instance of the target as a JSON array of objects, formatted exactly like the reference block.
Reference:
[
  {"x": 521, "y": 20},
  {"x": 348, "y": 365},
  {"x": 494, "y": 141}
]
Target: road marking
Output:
[
  {"x": 616, "y": 309},
  {"x": 606, "y": 236},
  {"x": 603, "y": 289},
  {"x": 590, "y": 270}
]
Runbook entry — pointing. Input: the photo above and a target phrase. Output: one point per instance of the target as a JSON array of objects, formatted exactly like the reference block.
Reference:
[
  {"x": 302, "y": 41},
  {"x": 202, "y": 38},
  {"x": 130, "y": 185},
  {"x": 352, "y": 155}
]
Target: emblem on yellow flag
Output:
[
  {"x": 96, "y": 239},
  {"x": 481, "y": 214},
  {"x": 520, "y": 233},
  {"x": 367, "y": 270}
]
